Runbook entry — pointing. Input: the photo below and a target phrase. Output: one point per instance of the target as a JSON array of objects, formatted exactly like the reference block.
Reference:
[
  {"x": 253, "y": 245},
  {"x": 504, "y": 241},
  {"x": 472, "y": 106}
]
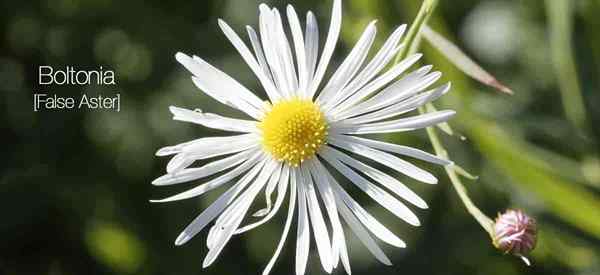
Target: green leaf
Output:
[
  {"x": 571, "y": 202},
  {"x": 461, "y": 60}
]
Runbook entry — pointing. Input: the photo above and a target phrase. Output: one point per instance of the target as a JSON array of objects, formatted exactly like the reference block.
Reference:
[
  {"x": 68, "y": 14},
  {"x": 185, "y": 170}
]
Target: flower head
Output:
[
  {"x": 286, "y": 141},
  {"x": 515, "y": 233}
]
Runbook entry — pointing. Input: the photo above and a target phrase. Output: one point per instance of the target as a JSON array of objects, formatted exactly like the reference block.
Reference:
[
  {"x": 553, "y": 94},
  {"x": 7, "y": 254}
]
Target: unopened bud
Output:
[{"x": 515, "y": 233}]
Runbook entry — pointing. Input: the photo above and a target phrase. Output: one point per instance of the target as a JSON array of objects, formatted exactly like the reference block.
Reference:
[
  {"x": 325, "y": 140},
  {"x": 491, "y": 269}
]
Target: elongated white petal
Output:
[
  {"x": 284, "y": 181},
  {"x": 330, "y": 42},
  {"x": 201, "y": 143},
  {"x": 285, "y": 53},
  {"x": 233, "y": 216},
  {"x": 214, "y": 121},
  {"x": 205, "y": 148},
  {"x": 249, "y": 58},
  {"x": 389, "y": 182},
  {"x": 381, "y": 59},
  {"x": 215, "y": 208},
  {"x": 395, "y": 148},
  {"x": 286, "y": 227},
  {"x": 349, "y": 67},
  {"x": 388, "y": 160},
  {"x": 270, "y": 46},
  {"x": 399, "y": 90},
  {"x": 303, "y": 233},
  {"x": 317, "y": 222},
  {"x": 363, "y": 235},
  {"x": 377, "y": 84},
  {"x": 400, "y": 107},
  {"x": 214, "y": 183},
  {"x": 312, "y": 46},
  {"x": 398, "y": 125},
  {"x": 221, "y": 86},
  {"x": 260, "y": 55},
  {"x": 299, "y": 46},
  {"x": 378, "y": 229},
  {"x": 209, "y": 169},
  {"x": 324, "y": 181},
  {"x": 378, "y": 194},
  {"x": 273, "y": 182},
  {"x": 248, "y": 195}
]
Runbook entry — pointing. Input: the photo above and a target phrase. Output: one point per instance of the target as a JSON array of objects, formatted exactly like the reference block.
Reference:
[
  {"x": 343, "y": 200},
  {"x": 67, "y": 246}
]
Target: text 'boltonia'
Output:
[
  {"x": 70, "y": 76},
  {"x": 285, "y": 143}
]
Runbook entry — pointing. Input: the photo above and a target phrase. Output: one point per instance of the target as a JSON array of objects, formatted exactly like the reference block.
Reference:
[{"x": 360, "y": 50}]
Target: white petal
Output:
[
  {"x": 209, "y": 169},
  {"x": 273, "y": 181},
  {"x": 349, "y": 67},
  {"x": 303, "y": 233},
  {"x": 233, "y": 216},
  {"x": 285, "y": 54},
  {"x": 281, "y": 191},
  {"x": 324, "y": 182},
  {"x": 376, "y": 84},
  {"x": 402, "y": 89},
  {"x": 395, "y": 148},
  {"x": 318, "y": 223},
  {"x": 205, "y": 148},
  {"x": 381, "y": 59},
  {"x": 398, "y": 125},
  {"x": 214, "y": 183},
  {"x": 210, "y": 141},
  {"x": 378, "y": 229},
  {"x": 378, "y": 194},
  {"x": 312, "y": 46},
  {"x": 179, "y": 162},
  {"x": 249, "y": 58},
  {"x": 214, "y": 121},
  {"x": 248, "y": 195},
  {"x": 221, "y": 86},
  {"x": 398, "y": 92},
  {"x": 300, "y": 49},
  {"x": 269, "y": 43},
  {"x": 262, "y": 61},
  {"x": 363, "y": 235},
  {"x": 332, "y": 37},
  {"x": 389, "y": 182},
  {"x": 388, "y": 160},
  {"x": 215, "y": 208},
  {"x": 401, "y": 107},
  {"x": 286, "y": 227}
]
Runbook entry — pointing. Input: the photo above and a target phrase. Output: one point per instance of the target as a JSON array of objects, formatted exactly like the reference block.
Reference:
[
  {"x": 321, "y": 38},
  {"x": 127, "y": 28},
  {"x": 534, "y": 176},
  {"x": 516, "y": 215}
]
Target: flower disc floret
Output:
[{"x": 293, "y": 130}]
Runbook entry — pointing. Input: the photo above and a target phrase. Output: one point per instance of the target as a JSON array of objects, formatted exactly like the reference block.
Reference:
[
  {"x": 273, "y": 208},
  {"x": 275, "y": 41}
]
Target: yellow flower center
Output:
[{"x": 293, "y": 130}]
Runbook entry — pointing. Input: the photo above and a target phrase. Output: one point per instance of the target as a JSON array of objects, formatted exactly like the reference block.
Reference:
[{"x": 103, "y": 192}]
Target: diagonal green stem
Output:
[
  {"x": 415, "y": 28},
  {"x": 411, "y": 44},
  {"x": 439, "y": 149}
]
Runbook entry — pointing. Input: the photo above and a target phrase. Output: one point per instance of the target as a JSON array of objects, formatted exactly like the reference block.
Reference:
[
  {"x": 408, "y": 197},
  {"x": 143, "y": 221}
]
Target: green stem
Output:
[
  {"x": 411, "y": 44},
  {"x": 411, "y": 37},
  {"x": 560, "y": 15},
  {"x": 439, "y": 149}
]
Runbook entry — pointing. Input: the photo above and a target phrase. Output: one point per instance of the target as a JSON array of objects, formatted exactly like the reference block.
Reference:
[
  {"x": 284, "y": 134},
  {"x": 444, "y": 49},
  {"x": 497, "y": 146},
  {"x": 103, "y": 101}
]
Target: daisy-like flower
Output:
[{"x": 303, "y": 136}]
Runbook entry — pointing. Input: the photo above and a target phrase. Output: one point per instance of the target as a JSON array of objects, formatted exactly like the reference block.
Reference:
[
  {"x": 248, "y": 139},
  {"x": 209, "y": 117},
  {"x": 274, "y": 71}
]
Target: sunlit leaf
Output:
[
  {"x": 461, "y": 60},
  {"x": 571, "y": 202}
]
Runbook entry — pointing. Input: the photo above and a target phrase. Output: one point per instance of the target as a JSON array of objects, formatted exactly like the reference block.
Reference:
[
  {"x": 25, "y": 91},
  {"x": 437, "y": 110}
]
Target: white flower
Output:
[{"x": 288, "y": 140}]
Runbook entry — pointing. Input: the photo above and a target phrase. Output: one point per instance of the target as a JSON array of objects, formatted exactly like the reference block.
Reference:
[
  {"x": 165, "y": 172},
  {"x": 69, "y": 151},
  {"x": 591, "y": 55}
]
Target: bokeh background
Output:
[{"x": 74, "y": 186}]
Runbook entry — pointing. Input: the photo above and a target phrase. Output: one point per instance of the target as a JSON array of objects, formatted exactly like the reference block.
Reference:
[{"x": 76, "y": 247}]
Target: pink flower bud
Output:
[{"x": 515, "y": 233}]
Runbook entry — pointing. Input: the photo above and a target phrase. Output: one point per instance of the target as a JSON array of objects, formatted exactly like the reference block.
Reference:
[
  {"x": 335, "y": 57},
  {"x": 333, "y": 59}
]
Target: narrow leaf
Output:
[
  {"x": 444, "y": 126},
  {"x": 462, "y": 61},
  {"x": 462, "y": 172}
]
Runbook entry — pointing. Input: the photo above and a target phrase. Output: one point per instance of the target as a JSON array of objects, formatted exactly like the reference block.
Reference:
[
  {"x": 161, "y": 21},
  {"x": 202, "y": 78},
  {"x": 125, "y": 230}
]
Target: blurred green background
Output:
[{"x": 74, "y": 186}]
